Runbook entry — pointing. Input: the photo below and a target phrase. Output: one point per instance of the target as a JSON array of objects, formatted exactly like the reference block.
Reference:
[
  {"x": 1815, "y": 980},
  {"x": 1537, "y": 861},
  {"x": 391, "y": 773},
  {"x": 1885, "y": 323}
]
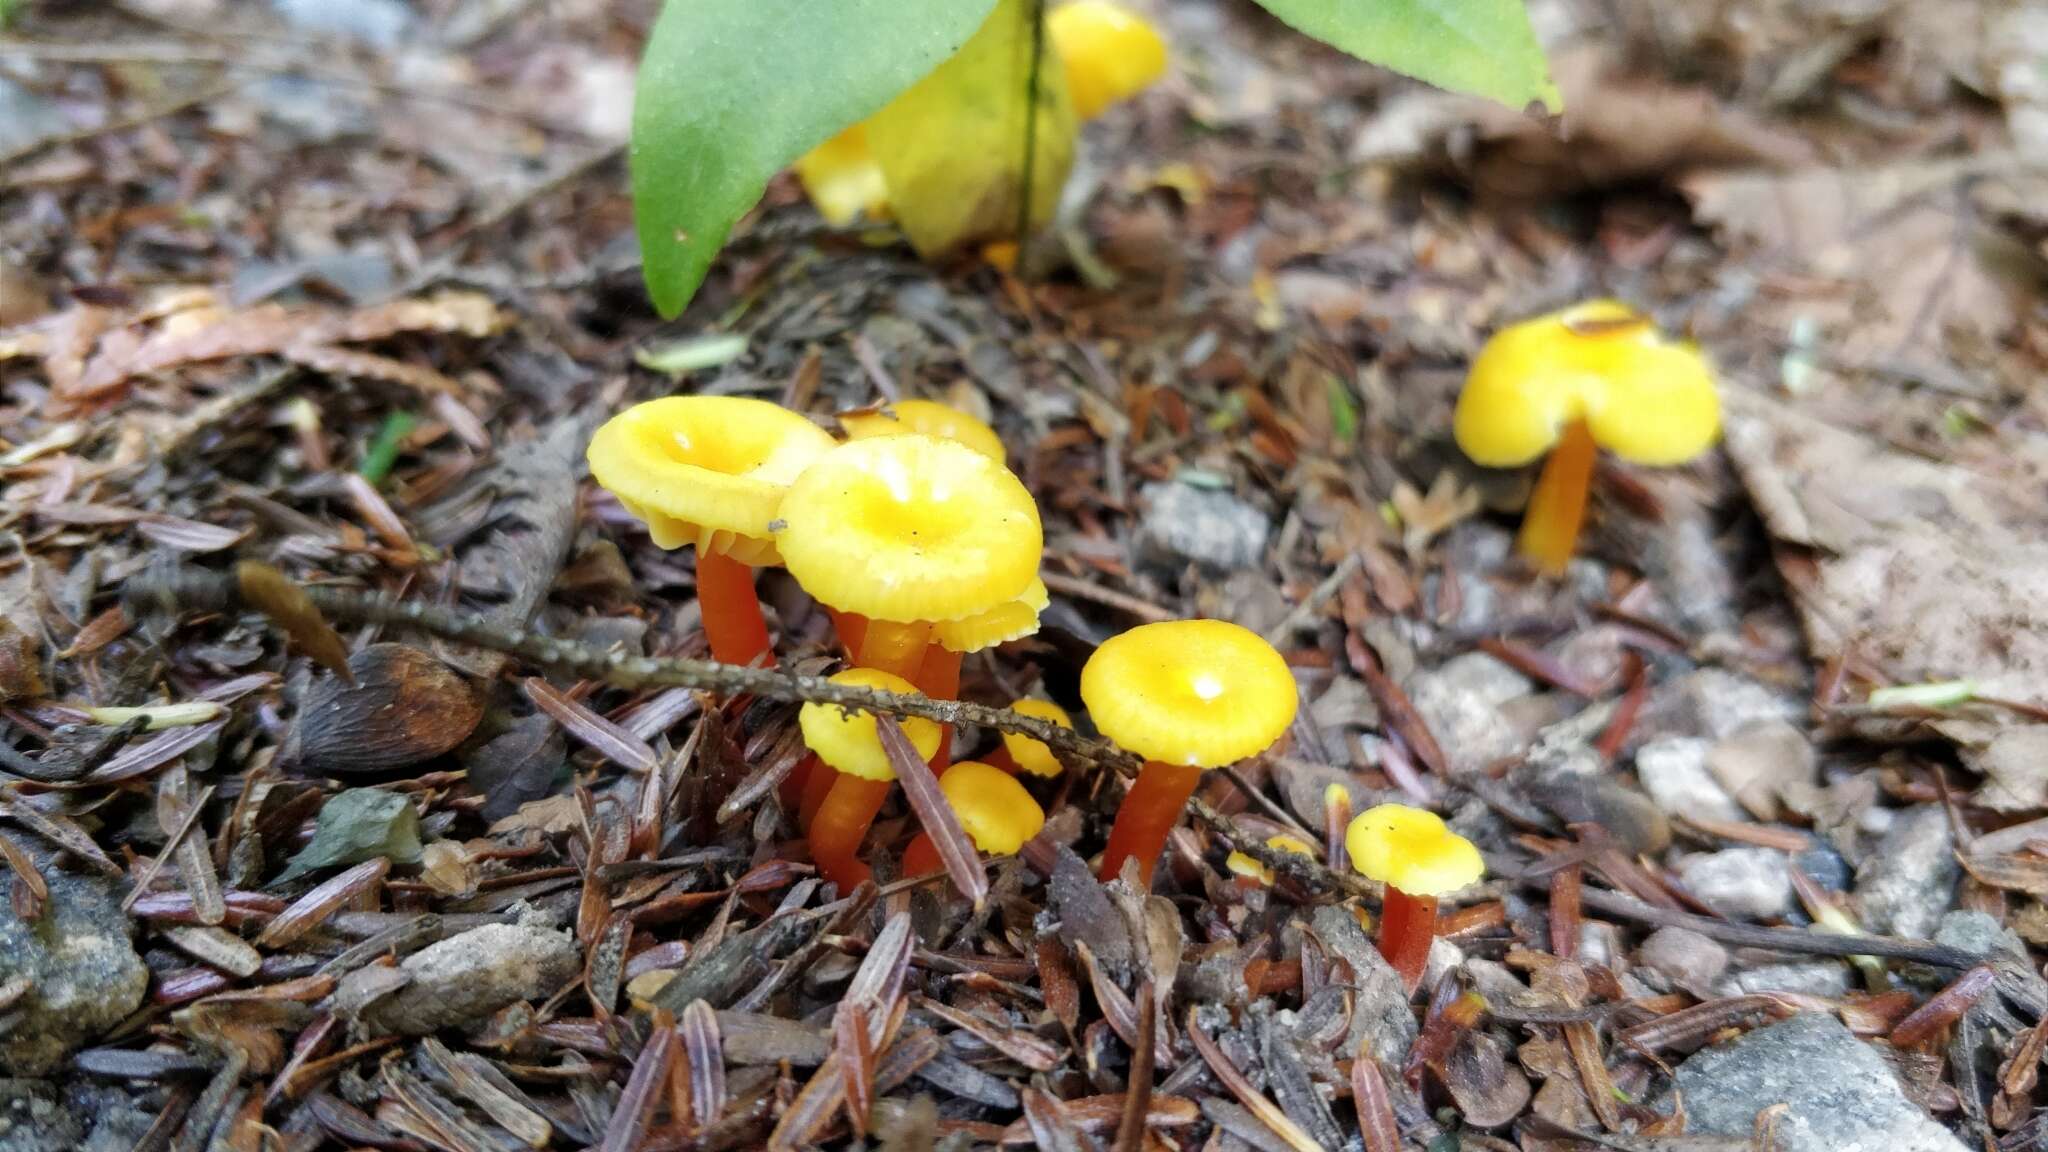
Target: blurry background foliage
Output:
[{"x": 730, "y": 92}]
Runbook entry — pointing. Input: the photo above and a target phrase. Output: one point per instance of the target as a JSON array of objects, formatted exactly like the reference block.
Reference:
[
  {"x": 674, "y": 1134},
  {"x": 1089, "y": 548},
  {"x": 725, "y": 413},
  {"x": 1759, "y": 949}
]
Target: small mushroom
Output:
[
  {"x": 1248, "y": 868},
  {"x": 998, "y": 814},
  {"x": 1597, "y": 375},
  {"x": 1419, "y": 859},
  {"x": 1021, "y": 753},
  {"x": 848, "y": 784},
  {"x": 1186, "y": 695},
  {"x": 711, "y": 471},
  {"x": 1110, "y": 54},
  {"x": 925, "y": 418},
  {"x": 939, "y": 676},
  {"x": 904, "y": 531}
]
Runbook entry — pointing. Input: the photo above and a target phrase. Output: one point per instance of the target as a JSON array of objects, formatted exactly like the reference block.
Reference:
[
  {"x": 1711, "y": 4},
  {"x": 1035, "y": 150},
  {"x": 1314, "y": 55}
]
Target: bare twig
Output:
[{"x": 220, "y": 591}]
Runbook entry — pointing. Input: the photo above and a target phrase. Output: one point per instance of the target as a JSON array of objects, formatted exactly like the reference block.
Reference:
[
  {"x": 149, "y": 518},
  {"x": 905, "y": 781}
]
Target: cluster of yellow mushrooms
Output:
[{"x": 922, "y": 545}]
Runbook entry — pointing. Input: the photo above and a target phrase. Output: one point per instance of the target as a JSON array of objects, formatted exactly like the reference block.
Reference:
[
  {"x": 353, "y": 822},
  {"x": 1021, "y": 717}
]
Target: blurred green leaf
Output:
[
  {"x": 732, "y": 91},
  {"x": 1484, "y": 47},
  {"x": 357, "y": 825}
]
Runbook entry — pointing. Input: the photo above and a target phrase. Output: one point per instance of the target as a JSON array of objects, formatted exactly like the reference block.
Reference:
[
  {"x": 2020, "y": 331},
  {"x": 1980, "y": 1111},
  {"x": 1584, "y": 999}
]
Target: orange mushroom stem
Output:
[
  {"x": 1185, "y": 695},
  {"x": 939, "y": 679},
  {"x": 1147, "y": 816},
  {"x": 1419, "y": 859},
  {"x": 849, "y": 785},
  {"x": 733, "y": 623},
  {"x": 1557, "y": 506}
]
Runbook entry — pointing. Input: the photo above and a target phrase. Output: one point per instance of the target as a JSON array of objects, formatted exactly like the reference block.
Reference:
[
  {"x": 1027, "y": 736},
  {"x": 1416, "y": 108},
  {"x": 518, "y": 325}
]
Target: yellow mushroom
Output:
[
  {"x": 1026, "y": 754},
  {"x": 1186, "y": 695},
  {"x": 1597, "y": 375},
  {"x": 711, "y": 471},
  {"x": 1419, "y": 859},
  {"x": 996, "y": 811},
  {"x": 847, "y": 785}
]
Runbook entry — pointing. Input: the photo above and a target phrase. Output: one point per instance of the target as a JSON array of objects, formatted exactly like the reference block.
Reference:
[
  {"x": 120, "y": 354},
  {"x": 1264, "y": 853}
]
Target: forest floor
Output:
[{"x": 344, "y": 289}]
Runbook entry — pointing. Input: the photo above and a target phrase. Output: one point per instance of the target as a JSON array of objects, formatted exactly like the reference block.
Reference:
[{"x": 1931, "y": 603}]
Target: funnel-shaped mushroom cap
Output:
[
  {"x": 996, "y": 810},
  {"x": 926, "y": 418},
  {"x": 1032, "y": 755},
  {"x": 1644, "y": 397},
  {"x": 706, "y": 470},
  {"x": 1110, "y": 54},
  {"x": 1195, "y": 692},
  {"x": 999, "y": 625},
  {"x": 1412, "y": 850},
  {"x": 846, "y": 739},
  {"x": 909, "y": 528}
]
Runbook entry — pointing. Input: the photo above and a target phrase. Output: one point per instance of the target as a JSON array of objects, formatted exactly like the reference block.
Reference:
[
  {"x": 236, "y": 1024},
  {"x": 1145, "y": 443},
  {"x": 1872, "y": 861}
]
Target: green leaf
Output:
[
  {"x": 732, "y": 91},
  {"x": 1484, "y": 47},
  {"x": 357, "y": 825}
]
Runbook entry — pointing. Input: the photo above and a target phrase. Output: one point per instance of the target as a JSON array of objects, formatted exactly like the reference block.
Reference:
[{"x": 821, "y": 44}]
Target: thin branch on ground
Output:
[{"x": 220, "y": 591}]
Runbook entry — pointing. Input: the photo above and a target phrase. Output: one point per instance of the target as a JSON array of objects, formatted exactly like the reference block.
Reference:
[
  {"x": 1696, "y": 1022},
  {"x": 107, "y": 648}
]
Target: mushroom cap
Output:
[
  {"x": 999, "y": 625},
  {"x": 909, "y": 528},
  {"x": 706, "y": 470},
  {"x": 1109, "y": 54},
  {"x": 845, "y": 738},
  {"x": 843, "y": 180},
  {"x": 1201, "y": 693},
  {"x": 1251, "y": 868},
  {"x": 926, "y": 418},
  {"x": 1644, "y": 397},
  {"x": 1032, "y": 755},
  {"x": 994, "y": 808},
  {"x": 1411, "y": 850}
]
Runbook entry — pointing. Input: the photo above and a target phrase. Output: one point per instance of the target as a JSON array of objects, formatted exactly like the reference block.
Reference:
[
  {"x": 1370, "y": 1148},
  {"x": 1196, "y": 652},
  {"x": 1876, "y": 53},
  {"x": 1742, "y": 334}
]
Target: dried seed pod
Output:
[{"x": 405, "y": 707}]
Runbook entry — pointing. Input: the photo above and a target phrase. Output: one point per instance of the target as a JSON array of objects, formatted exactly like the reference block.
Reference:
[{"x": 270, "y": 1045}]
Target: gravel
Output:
[{"x": 1838, "y": 1093}]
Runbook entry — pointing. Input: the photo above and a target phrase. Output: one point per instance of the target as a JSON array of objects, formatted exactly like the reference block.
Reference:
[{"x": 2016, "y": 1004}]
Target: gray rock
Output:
[
  {"x": 2015, "y": 767},
  {"x": 1673, "y": 770},
  {"x": 378, "y": 23},
  {"x": 1978, "y": 932},
  {"x": 1683, "y": 957},
  {"x": 1380, "y": 1013},
  {"x": 1184, "y": 524},
  {"x": 1824, "y": 978},
  {"x": 77, "y": 1115},
  {"x": 463, "y": 979},
  {"x": 84, "y": 974},
  {"x": 1909, "y": 879},
  {"x": 1712, "y": 702},
  {"x": 1839, "y": 1094},
  {"x": 1754, "y": 882},
  {"x": 1760, "y": 761},
  {"x": 1461, "y": 701}
]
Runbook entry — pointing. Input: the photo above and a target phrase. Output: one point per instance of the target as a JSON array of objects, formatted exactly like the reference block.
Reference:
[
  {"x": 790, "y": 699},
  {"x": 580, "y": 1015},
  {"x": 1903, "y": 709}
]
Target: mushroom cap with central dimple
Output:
[
  {"x": 1195, "y": 692},
  {"x": 846, "y": 739},
  {"x": 1411, "y": 850},
  {"x": 706, "y": 470},
  {"x": 924, "y": 418},
  {"x": 992, "y": 806},
  {"x": 910, "y": 528},
  {"x": 1645, "y": 397}
]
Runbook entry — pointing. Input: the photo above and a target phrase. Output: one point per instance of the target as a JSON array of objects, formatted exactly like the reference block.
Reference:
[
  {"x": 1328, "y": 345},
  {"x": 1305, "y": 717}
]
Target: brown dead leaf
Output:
[
  {"x": 1926, "y": 571},
  {"x": 1616, "y": 128},
  {"x": 1903, "y": 240}
]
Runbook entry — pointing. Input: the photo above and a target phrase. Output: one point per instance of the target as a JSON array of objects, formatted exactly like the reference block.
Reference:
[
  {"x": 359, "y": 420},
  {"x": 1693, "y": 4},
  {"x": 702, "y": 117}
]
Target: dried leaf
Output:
[
  {"x": 934, "y": 813},
  {"x": 615, "y": 743},
  {"x": 308, "y": 911},
  {"x": 360, "y": 824}
]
